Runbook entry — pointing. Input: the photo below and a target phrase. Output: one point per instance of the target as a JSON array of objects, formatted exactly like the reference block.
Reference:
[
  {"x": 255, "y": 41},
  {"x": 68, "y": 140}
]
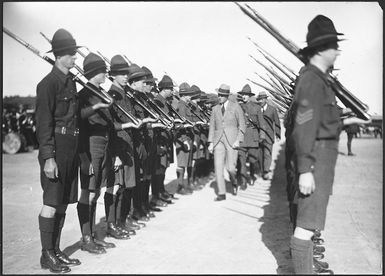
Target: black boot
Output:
[
  {"x": 61, "y": 256},
  {"x": 114, "y": 231},
  {"x": 88, "y": 244},
  {"x": 48, "y": 260}
]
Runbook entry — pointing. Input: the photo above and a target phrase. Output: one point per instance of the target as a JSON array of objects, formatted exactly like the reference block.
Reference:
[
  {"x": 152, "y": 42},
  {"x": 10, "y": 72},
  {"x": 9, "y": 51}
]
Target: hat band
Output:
[
  {"x": 223, "y": 91},
  {"x": 119, "y": 67},
  {"x": 166, "y": 84},
  {"x": 322, "y": 37},
  {"x": 62, "y": 44},
  {"x": 93, "y": 66}
]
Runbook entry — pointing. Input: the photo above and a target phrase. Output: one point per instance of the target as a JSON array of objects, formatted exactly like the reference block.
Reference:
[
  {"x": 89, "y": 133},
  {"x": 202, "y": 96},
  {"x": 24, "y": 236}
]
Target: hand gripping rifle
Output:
[
  {"x": 346, "y": 97},
  {"x": 102, "y": 91},
  {"x": 133, "y": 94}
]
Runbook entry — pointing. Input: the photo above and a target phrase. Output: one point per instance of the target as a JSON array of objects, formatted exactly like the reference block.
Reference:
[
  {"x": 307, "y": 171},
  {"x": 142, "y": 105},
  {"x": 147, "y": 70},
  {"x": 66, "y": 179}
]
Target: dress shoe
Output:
[
  {"x": 317, "y": 233},
  {"x": 126, "y": 231},
  {"x": 166, "y": 195},
  {"x": 64, "y": 259},
  {"x": 351, "y": 154},
  {"x": 318, "y": 256},
  {"x": 168, "y": 201},
  {"x": 318, "y": 241},
  {"x": 319, "y": 249},
  {"x": 114, "y": 231},
  {"x": 135, "y": 225},
  {"x": 158, "y": 203},
  {"x": 150, "y": 214},
  {"x": 182, "y": 191},
  {"x": 321, "y": 264},
  {"x": 322, "y": 271},
  {"x": 235, "y": 190},
  {"x": 88, "y": 244},
  {"x": 126, "y": 227},
  {"x": 48, "y": 260},
  {"x": 220, "y": 198},
  {"x": 155, "y": 209},
  {"x": 104, "y": 244},
  {"x": 171, "y": 196},
  {"x": 139, "y": 217}
]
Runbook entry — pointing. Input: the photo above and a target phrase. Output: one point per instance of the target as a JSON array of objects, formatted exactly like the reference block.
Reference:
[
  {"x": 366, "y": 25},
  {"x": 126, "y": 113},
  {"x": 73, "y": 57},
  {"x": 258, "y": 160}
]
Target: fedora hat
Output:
[
  {"x": 93, "y": 65},
  {"x": 63, "y": 43},
  {"x": 149, "y": 76},
  {"x": 166, "y": 82},
  {"x": 119, "y": 66},
  {"x": 246, "y": 90},
  {"x": 223, "y": 90},
  {"x": 262, "y": 95},
  {"x": 321, "y": 31}
]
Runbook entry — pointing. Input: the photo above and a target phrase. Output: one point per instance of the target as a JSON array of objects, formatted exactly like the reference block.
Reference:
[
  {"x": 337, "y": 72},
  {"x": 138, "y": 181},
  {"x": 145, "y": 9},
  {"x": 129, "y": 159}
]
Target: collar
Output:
[
  {"x": 317, "y": 71},
  {"x": 117, "y": 89},
  {"x": 60, "y": 75}
]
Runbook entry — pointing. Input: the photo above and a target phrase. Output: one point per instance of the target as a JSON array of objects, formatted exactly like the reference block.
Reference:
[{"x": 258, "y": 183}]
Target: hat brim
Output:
[
  {"x": 246, "y": 93},
  {"x": 313, "y": 45}
]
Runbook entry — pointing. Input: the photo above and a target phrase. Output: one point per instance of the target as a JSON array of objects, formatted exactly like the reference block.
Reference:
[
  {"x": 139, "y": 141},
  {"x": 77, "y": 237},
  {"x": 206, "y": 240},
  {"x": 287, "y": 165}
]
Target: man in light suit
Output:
[
  {"x": 227, "y": 128},
  {"x": 270, "y": 128}
]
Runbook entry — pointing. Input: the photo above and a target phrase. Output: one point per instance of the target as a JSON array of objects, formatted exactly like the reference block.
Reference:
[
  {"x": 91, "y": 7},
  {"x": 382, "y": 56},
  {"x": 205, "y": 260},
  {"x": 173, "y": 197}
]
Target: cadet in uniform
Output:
[
  {"x": 123, "y": 148},
  {"x": 183, "y": 139},
  {"x": 163, "y": 138},
  {"x": 57, "y": 130},
  {"x": 249, "y": 148},
  {"x": 315, "y": 137},
  {"x": 94, "y": 152}
]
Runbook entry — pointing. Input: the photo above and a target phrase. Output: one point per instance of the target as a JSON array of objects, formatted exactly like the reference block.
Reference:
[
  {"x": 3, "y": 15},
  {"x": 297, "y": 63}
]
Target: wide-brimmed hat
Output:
[
  {"x": 119, "y": 66},
  {"x": 262, "y": 95},
  {"x": 63, "y": 43},
  {"x": 321, "y": 31},
  {"x": 185, "y": 89},
  {"x": 93, "y": 65},
  {"x": 195, "y": 92},
  {"x": 223, "y": 90},
  {"x": 166, "y": 82},
  {"x": 246, "y": 90},
  {"x": 149, "y": 76},
  {"x": 135, "y": 72},
  {"x": 203, "y": 97}
]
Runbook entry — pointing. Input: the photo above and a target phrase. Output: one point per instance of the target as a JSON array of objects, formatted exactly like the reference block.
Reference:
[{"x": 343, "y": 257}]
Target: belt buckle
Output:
[{"x": 63, "y": 130}]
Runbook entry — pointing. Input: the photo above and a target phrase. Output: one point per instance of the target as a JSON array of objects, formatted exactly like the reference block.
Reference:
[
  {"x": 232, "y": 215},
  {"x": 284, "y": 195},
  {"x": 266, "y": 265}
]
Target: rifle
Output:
[
  {"x": 127, "y": 114},
  {"x": 346, "y": 97}
]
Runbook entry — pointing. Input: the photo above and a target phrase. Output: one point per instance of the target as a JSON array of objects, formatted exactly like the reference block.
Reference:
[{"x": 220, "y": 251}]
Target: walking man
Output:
[
  {"x": 227, "y": 128},
  {"x": 270, "y": 128}
]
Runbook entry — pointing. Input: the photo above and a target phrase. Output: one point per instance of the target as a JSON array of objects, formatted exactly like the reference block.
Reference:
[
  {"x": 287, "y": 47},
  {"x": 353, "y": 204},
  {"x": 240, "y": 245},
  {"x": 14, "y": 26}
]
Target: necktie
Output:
[{"x": 223, "y": 109}]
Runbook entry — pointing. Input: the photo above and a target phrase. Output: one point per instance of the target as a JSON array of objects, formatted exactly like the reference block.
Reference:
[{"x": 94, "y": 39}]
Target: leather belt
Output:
[{"x": 66, "y": 130}]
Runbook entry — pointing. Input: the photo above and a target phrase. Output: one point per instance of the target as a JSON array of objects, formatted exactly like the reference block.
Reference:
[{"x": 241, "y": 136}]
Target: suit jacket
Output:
[
  {"x": 253, "y": 112},
  {"x": 231, "y": 124},
  {"x": 271, "y": 126}
]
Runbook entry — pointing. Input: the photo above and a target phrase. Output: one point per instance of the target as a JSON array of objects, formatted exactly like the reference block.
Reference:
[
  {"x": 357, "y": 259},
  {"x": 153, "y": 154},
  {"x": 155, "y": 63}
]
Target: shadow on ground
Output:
[{"x": 276, "y": 230}]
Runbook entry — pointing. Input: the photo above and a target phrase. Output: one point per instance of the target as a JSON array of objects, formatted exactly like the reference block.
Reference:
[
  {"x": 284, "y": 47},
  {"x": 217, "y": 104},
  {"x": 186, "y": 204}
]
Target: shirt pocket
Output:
[
  {"x": 331, "y": 114},
  {"x": 63, "y": 103}
]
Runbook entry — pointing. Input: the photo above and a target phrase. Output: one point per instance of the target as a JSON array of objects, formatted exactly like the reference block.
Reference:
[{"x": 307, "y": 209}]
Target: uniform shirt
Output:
[
  {"x": 253, "y": 119},
  {"x": 183, "y": 134},
  {"x": 56, "y": 106},
  {"x": 124, "y": 139},
  {"x": 316, "y": 115}
]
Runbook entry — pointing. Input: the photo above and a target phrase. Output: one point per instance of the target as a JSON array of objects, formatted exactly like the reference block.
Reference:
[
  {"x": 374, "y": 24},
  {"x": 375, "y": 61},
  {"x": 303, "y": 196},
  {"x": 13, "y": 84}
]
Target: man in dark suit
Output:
[
  {"x": 250, "y": 146},
  {"x": 270, "y": 128}
]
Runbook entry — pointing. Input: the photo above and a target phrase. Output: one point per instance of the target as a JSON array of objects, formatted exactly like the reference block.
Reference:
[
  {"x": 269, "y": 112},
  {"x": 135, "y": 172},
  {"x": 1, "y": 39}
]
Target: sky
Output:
[{"x": 201, "y": 43}]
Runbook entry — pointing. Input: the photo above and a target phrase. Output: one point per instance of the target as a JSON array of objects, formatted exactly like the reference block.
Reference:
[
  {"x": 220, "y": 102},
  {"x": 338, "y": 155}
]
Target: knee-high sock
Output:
[
  {"x": 302, "y": 255},
  {"x": 109, "y": 205},
  {"x": 154, "y": 186},
  {"x": 137, "y": 197},
  {"x": 180, "y": 174},
  {"x": 190, "y": 175},
  {"x": 126, "y": 204},
  {"x": 59, "y": 222},
  {"x": 161, "y": 183},
  {"x": 84, "y": 218},
  {"x": 119, "y": 204},
  {"x": 93, "y": 217},
  {"x": 145, "y": 194},
  {"x": 46, "y": 226}
]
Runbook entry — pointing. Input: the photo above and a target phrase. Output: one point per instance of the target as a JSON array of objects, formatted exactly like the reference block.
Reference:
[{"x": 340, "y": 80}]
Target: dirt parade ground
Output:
[{"x": 245, "y": 234}]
